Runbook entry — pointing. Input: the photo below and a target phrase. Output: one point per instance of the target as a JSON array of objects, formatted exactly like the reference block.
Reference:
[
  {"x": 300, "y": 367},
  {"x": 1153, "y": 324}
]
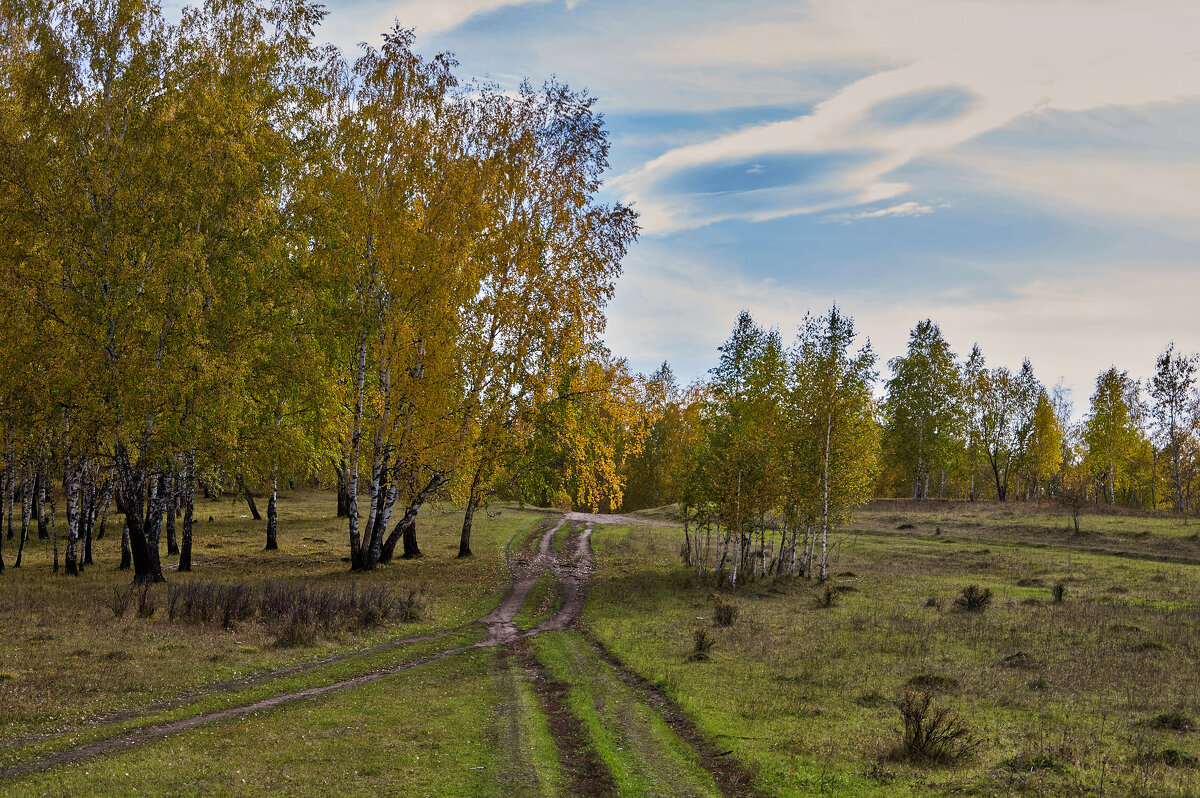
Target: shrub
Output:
[
  {"x": 120, "y": 600},
  {"x": 702, "y": 643},
  {"x": 828, "y": 596},
  {"x": 299, "y": 629},
  {"x": 932, "y": 734},
  {"x": 973, "y": 598},
  {"x": 725, "y": 614},
  {"x": 1059, "y": 591},
  {"x": 1175, "y": 721},
  {"x": 934, "y": 603},
  {"x": 933, "y": 681},
  {"x": 147, "y": 605}
]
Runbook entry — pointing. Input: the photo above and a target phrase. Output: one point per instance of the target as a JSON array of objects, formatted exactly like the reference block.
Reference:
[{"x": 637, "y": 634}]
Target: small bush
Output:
[
  {"x": 1174, "y": 721},
  {"x": 725, "y": 614},
  {"x": 1059, "y": 591},
  {"x": 933, "y": 681},
  {"x": 932, "y": 734},
  {"x": 147, "y": 604},
  {"x": 934, "y": 603},
  {"x": 300, "y": 630},
  {"x": 1171, "y": 757},
  {"x": 828, "y": 596},
  {"x": 973, "y": 598},
  {"x": 702, "y": 643},
  {"x": 120, "y": 600}
]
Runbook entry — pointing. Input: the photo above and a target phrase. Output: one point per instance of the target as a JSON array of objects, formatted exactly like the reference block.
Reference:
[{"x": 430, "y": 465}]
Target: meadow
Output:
[{"x": 1077, "y": 678}]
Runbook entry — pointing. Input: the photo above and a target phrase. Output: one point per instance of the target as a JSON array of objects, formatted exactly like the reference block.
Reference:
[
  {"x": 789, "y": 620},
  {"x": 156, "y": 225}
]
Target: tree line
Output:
[
  {"x": 232, "y": 257},
  {"x": 780, "y": 442}
]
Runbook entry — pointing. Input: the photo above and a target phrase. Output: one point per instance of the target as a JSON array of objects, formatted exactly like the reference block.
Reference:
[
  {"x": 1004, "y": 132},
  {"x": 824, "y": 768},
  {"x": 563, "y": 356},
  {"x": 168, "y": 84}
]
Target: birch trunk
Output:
[
  {"x": 273, "y": 517},
  {"x": 355, "y": 444},
  {"x": 464, "y": 539},
  {"x": 172, "y": 505},
  {"x": 189, "y": 502},
  {"x": 71, "y": 480}
]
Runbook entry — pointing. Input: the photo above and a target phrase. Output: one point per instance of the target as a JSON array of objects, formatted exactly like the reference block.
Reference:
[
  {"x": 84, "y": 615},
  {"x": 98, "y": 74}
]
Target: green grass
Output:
[
  {"x": 544, "y": 599},
  {"x": 644, "y": 756},
  {"x": 72, "y": 662},
  {"x": 425, "y": 732},
  {"x": 806, "y": 694}
]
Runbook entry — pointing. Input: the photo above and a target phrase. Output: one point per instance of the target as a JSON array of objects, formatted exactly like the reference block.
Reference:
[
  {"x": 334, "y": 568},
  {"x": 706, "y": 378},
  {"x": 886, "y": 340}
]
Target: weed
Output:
[
  {"x": 933, "y": 603},
  {"x": 725, "y": 614},
  {"x": 828, "y": 596},
  {"x": 300, "y": 630},
  {"x": 1174, "y": 721},
  {"x": 1148, "y": 645},
  {"x": 1030, "y": 762},
  {"x": 973, "y": 598},
  {"x": 121, "y": 597},
  {"x": 147, "y": 604},
  {"x": 1059, "y": 591},
  {"x": 1018, "y": 660},
  {"x": 933, "y": 681},
  {"x": 932, "y": 734},
  {"x": 702, "y": 643},
  {"x": 1171, "y": 757}
]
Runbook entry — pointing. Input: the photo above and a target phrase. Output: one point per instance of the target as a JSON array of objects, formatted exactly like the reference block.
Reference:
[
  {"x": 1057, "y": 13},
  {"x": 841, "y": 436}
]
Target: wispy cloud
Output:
[
  {"x": 903, "y": 209},
  {"x": 949, "y": 71},
  {"x": 682, "y": 309}
]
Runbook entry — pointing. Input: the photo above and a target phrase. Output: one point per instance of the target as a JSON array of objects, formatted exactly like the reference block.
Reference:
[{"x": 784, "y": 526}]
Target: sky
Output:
[{"x": 1024, "y": 173}]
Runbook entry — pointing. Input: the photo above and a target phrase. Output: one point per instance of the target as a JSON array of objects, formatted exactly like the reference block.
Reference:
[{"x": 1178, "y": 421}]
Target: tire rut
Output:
[{"x": 573, "y": 569}]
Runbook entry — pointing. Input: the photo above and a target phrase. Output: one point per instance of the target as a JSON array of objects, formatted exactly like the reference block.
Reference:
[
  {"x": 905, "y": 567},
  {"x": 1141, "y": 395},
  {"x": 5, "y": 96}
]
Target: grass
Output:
[
  {"x": 70, "y": 661},
  {"x": 643, "y": 755},
  {"x": 349, "y": 743},
  {"x": 544, "y": 599},
  {"x": 808, "y": 694},
  {"x": 1094, "y": 694}
]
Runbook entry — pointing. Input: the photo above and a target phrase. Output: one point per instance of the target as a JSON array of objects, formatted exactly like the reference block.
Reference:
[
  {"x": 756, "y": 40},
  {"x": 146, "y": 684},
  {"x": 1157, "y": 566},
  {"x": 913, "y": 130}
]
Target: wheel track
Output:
[{"x": 573, "y": 571}]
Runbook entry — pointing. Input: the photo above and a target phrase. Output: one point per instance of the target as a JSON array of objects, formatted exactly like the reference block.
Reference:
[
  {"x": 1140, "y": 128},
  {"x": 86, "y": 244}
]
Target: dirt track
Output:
[{"x": 572, "y": 568}]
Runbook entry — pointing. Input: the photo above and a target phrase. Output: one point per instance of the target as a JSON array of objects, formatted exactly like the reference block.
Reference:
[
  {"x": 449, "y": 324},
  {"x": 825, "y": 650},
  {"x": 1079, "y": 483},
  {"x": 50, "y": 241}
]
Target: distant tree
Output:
[
  {"x": 923, "y": 407},
  {"x": 1174, "y": 408},
  {"x": 832, "y": 397},
  {"x": 1109, "y": 430},
  {"x": 1007, "y": 406}
]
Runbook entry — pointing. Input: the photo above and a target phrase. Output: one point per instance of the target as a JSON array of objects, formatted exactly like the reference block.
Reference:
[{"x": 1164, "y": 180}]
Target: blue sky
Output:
[{"x": 1024, "y": 172}]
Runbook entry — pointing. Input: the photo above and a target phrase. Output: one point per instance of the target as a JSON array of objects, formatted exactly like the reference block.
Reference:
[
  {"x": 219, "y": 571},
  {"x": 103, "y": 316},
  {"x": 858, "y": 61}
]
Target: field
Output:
[{"x": 1079, "y": 677}]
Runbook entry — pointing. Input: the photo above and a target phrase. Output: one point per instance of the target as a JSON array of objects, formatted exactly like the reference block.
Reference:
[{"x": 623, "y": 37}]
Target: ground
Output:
[{"x": 560, "y": 661}]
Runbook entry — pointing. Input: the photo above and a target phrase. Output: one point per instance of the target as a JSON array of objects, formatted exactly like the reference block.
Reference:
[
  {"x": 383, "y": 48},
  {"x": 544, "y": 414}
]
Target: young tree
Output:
[
  {"x": 1172, "y": 390},
  {"x": 1110, "y": 434},
  {"x": 833, "y": 396},
  {"x": 923, "y": 407}
]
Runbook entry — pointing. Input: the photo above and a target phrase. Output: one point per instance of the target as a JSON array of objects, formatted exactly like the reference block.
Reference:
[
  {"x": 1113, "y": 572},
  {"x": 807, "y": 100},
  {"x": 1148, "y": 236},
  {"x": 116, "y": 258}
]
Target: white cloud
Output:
[
  {"x": 903, "y": 209},
  {"x": 441, "y": 15},
  {"x": 1012, "y": 58},
  {"x": 682, "y": 310}
]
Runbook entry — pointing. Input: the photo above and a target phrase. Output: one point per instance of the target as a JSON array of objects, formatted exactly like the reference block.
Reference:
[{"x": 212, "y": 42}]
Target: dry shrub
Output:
[
  {"x": 725, "y": 614},
  {"x": 120, "y": 600},
  {"x": 1059, "y": 591},
  {"x": 702, "y": 643},
  {"x": 297, "y": 610},
  {"x": 147, "y": 604},
  {"x": 934, "y": 735},
  {"x": 973, "y": 598}
]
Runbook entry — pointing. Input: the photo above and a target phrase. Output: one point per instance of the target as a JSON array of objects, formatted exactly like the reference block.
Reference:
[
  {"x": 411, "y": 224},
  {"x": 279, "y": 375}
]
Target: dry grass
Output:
[
  {"x": 1069, "y": 689},
  {"x": 72, "y": 657}
]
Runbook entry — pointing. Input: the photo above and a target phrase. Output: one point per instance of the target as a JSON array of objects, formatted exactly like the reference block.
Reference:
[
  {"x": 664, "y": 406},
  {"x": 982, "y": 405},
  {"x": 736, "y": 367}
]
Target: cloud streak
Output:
[{"x": 949, "y": 72}]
